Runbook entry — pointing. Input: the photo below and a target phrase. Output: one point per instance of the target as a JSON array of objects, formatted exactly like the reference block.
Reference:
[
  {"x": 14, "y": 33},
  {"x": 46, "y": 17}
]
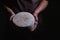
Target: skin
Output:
[{"x": 39, "y": 9}]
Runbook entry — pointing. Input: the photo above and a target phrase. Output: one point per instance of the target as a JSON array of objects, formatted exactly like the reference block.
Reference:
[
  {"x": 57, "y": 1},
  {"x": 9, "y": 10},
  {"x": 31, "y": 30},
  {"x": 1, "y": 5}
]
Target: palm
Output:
[{"x": 36, "y": 22}]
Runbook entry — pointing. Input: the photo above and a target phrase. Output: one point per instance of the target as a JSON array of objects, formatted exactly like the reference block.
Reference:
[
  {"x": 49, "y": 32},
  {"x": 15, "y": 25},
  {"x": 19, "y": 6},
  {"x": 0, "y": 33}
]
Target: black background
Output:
[{"x": 51, "y": 24}]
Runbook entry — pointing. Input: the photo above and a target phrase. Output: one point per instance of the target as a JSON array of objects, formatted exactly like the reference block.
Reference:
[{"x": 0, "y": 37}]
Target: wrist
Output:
[
  {"x": 12, "y": 13},
  {"x": 37, "y": 12}
]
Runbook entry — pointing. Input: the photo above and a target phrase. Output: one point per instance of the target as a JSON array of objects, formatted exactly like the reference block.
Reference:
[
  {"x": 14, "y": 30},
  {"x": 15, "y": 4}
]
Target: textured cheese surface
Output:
[{"x": 23, "y": 19}]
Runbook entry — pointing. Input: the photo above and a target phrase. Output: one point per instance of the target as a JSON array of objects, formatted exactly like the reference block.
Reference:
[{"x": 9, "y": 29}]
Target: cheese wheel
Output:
[{"x": 23, "y": 19}]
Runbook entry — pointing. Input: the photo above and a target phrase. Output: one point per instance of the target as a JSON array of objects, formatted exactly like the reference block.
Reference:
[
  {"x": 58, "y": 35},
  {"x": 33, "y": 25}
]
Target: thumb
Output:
[
  {"x": 11, "y": 18},
  {"x": 36, "y": 18}
]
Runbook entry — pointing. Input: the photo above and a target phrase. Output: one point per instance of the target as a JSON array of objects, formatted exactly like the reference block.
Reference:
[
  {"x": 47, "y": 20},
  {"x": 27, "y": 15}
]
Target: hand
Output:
[
  {"x": 11, "y": 18},
  {"x": 36, "y": 21},
  {"x": 11, "y": 12}
]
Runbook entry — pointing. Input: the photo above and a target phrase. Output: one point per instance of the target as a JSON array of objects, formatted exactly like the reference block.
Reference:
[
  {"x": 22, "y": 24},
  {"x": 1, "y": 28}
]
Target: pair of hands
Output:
[{"x": 13, "y": 14}]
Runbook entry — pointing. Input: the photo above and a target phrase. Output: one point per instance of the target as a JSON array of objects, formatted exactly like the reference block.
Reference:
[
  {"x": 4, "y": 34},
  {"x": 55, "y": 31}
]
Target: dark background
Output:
[
  {"x": 6, "y": 26},
  {"x": 51, "y": 24}
]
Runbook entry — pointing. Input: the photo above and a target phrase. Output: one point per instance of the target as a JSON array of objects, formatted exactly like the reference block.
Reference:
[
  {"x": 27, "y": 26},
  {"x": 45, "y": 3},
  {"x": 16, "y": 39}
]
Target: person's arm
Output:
[
  {"x": 39, "y": 9},
  {"x": 11, "y": 12}
]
